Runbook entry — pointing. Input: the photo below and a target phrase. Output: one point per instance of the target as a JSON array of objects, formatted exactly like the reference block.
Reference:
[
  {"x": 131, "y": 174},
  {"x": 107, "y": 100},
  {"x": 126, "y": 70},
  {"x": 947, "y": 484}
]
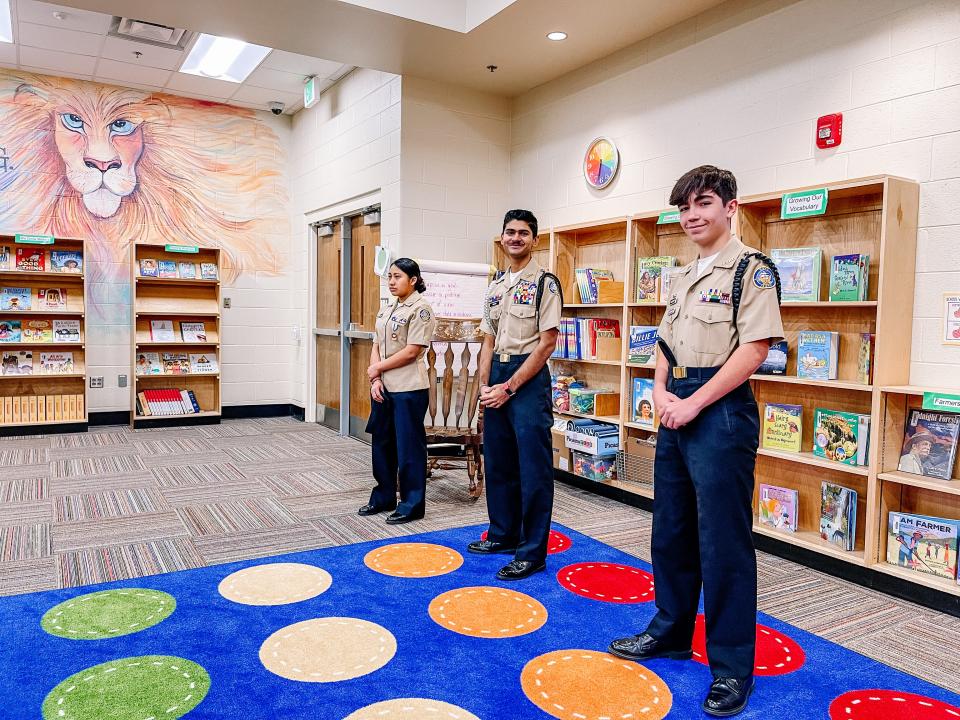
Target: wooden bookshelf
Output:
[
  {"x": 178, "y": 300},
  {"x": 45, "y": 401}
]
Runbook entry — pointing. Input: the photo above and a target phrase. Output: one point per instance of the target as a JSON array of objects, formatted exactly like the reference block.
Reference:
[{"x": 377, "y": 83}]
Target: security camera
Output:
[{"x": 276, "y": 107}]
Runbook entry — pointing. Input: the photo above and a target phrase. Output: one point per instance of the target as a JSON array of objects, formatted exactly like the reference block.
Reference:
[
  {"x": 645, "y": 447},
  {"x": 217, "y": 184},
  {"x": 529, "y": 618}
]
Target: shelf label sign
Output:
[
  {"x": 941, "y": 401},
  {"x": 803, "y": 204},
  {"x": 668, "y": 216},
  {"x": 34, "y": 239},
  {"x": 182, "y": 248}
]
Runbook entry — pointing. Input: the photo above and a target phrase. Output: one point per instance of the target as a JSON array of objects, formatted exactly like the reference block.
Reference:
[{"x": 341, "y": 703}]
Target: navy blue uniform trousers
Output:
[
  {"x": 399, "y": 450},
  {"x": 518, "y": 457},
  {"x": 702, "y": 528}
]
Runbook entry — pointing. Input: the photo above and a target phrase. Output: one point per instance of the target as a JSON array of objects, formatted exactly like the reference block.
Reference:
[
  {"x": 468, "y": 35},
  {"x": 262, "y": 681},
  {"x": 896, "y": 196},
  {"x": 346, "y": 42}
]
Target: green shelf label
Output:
[
  {"x": 668, "y": 216},
  {"x": 182, "y": 248},
  {"x": 941, "y": 401},
  {"x": 803, "y": 204},
  {"x": 34, "y": 239}
]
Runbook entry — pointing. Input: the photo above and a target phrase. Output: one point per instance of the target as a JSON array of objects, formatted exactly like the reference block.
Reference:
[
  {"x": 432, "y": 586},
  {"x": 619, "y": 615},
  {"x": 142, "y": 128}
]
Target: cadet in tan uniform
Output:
[
  {"x": 722, "y": 315},
  {"x": 521, "y": 317},
  {"x": 399, "y": 389}
]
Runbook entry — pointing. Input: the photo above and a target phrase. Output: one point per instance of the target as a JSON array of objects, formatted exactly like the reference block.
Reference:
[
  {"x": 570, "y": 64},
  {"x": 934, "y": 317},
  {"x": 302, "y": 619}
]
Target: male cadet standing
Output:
[
  {"x": 722, "y": 315},
  {"x": 520, "y": 320}
]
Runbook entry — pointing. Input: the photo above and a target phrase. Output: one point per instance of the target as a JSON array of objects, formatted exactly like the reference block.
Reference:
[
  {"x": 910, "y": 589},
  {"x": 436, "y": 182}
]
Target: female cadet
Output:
[{"x": 398, "y": 386}]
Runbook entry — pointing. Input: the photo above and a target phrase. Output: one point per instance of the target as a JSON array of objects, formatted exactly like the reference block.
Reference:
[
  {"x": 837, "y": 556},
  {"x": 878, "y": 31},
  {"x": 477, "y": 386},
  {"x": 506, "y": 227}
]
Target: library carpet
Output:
[{"x": 406, "y": 629}]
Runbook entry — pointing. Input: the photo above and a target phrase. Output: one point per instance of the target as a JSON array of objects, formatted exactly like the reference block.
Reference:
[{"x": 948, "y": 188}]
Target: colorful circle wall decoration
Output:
[{"x": 601, "y": 163}]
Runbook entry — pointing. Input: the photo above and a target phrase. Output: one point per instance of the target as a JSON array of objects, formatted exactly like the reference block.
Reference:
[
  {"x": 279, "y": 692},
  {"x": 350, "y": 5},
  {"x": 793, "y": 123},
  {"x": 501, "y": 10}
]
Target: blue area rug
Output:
[{"x": 479, "y": 675}]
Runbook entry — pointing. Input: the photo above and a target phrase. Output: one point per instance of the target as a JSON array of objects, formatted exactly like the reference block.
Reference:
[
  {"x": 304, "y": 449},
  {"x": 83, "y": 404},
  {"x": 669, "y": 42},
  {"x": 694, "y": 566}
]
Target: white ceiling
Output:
[{"x": 78, "y": 46}]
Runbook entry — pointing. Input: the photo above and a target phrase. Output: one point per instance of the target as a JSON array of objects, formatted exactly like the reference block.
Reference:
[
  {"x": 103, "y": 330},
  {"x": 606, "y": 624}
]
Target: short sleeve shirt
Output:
[
  {"x": 510, "y": 310},
  {"x": 399, "y": 324},
  {"x": 698, "y": 323}
]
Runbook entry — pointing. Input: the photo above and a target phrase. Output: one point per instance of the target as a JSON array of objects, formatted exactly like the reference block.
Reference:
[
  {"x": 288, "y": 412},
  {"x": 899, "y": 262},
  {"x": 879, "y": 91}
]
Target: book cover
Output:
[
  {"x": 776, "y": 362},
  {"x": 17, "y": 362},
  {"x": 167, "y": 268},
  {"x": 52, "y": 299},
  {"x": 817, "y": 354},
  {"x": 56, "y": 363},
  {"x": 10, "y": 331},
  {"x": 175, "y": 363},
  {"x": 593, "y": 277},
  {"x": 643, "y": 344},
  {"x": 193, "y": 332},
  {"x": 5, "y": 257},
  {"x": 648, "y": 274},
  {"x": 66, "y": 331},
  {"x": 778, "y": 507},
  {"x": 799, "y": 270},
  {"x": 203, "y": 363},
  {"x": 148, "y": 267},
  {"x": 162, "y": 331},
  {"x": 846, "y": 279},
  {"x": 31, "y": 259},
  {"x": 929, "y": 444},
  {"x": 15, "y": 299},
  {"x": 841, "y": 436},
  {"x": 188, "y": 270},
  {"x": 148, "y": 363},
  {"x": 923, "y": 543},
  {"x": 208, "y": 271},
  {"x": 865, "y": 358},
  {"x": 782, "y": 427},
  {"x": 864, "y": 288},
  {"x": 37, "y": 331},
  {"x": 644, "y": 410},
  {"x": 66, "y": 261},
  {"x": 838, "y": 515}
]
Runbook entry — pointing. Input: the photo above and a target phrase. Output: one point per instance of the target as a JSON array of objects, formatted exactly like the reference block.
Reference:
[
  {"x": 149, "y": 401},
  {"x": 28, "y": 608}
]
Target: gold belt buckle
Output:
[
  {"x": 679, "y": 373},
  {"x": 504, "y": 357}
]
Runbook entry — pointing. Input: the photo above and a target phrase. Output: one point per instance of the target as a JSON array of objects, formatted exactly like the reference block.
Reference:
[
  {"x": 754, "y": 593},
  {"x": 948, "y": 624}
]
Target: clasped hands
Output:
[
  {"x": 493, "y": 396},
  {"x": 674, "y": 412}
]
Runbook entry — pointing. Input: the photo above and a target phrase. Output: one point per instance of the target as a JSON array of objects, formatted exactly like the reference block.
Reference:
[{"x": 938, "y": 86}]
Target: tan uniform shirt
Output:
[
  {"x": 400, "y": 324},
  {"x": 698, "y": 323},
  {"x": 510, "y": 311}
]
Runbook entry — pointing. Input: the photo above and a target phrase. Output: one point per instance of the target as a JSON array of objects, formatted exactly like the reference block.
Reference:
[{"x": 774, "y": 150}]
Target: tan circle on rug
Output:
[
  {"x": 413, "y": 560},
  {"x": 275, "y": 584},
  {"x": 579, "y": 684},
  {"x": 411, "y": 709},
  {"x": 328, "y": 649},
  {"x": 488, "y": 612}
]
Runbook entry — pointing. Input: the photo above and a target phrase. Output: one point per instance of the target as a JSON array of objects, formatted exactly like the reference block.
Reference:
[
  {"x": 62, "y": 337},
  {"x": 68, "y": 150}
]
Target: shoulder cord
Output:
[
  {"x": 540, "y": 284},
  {"x": 741, "y": 271}
]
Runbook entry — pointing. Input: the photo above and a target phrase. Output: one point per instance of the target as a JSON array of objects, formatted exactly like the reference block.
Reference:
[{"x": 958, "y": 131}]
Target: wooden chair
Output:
[{"x": 455, "y": 434}]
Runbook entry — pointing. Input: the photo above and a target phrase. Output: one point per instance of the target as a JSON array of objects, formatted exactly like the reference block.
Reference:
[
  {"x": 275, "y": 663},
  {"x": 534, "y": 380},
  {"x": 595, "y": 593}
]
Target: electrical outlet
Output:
[
  {"x": 96, "y": 381},
  {"x": 226, "y": 302},
  {"x": 121, "y": 380}
]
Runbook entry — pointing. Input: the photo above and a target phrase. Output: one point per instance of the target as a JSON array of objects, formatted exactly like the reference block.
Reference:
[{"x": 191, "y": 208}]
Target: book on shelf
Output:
[
  {"x": 56, "y": 363},
  {"x": 647, "y": 278},
  {"x": 643, "y": 344},
  {"x": 667, "y": 277},
  {"x": 587, "y": 279},
  {"x": 643, "y": 409},
  {"x": 841, "y": 436},
  {"x": 818, "y": 354},
  {"x": 838, "y": 515},
  {"x": 15, "y": 299},
  {"x": 66, "y": 331},
  {"x": 193, "y": 332},
  {"x": 208, "y": 271},
  {"x": 175, "y": 363},
  {"x": 37, "y": 331},
  {"x": 187, "y": 270},
  {"x": 167, "y": 401},
  {"x": 577, "y": 339},
  {"x": 148, "y": 363},
  {"x": 865, "y": 358},
  {"x": 923, "y": 543},
  {"x": 52, "y": 299},
  {"x": 66, "y": 261},
  {"x": 777, "y": 507},
  {"x": 10, "y": 331},
  {"x": 6, "y": 258},
  {"x": 148, "y": 267},
  {"x": 849, "y": 277},
  {"x": 27, "y": 409},
  {"x": 167, "y": 268},
  {"x": 799, "y": 270},
  {"x": 776, "y": 361},
  {"x": 162, "y": 331},
  {"x": 203, "y": 363},
  {"x": 929, "y": 443},
  {"x": 30, "y": 259},
  {"x": 782, "y": 427},
  {"x": 17, "y": 362}
]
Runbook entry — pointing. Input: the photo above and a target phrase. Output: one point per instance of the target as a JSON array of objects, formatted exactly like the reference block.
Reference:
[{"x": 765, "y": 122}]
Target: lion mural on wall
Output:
[{"x": 115, "y": 165}]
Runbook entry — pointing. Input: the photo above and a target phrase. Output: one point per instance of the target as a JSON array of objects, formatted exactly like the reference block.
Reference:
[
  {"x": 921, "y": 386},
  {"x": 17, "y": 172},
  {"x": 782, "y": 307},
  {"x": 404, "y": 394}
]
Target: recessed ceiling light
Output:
[
  {"x": 223, "y": 58},
  {"x": 557, "y": 36},
  {"x": 6, "y": 23}
]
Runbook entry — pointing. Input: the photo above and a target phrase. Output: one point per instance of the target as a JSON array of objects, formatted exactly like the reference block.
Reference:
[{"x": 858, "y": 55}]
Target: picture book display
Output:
[
  {"x": 175, "y": 363},
  {"x": 647, "y": 279},
  {"x": 838, "y": 515},
  {"x": 167, "y": 268},
  {"x": 841, "y": 436},
  {"x": 922, "y": 543},
  {"x": 208, "y": 271},
  {"x": 849, "y": 277},
  {"x": 193, "y": 332},
  {"x": 52, "y": 299},
  {"x": 799, "y": 270},
  {"x": 37, "y": 331},
  {"x": 187, "y": 270},
  {"x": 167, "y": 401},
  {"x": 782, "y": 427},
  {"x": 818, "y": 353},
  {"x": 17, "y": 362},
  {"x": 66, "y": 261},
  {"x": 587, "y": 279},
  {"x": 577, "y": 339},
  {"x": 56, "y": 363},
  {"x": 929, "y": 443},
  {"x": 865, "y": 358},
  {"x": 148, "y": 363},
  {"x": 162, "y": 331},
  {"x": 643, "y": 344},
  {"x": 15, "y": 299},
  {"x": 6, "y": 258},
  {"x": 10, "y": 331},
  {"x": 149, "y": 268},
  {"x": 66, "y": 331},
  {"x": 778, "y": 507},
  {"x": 644, "y": 411},
  {"x": 203, "y": 363},
  {"x": 30, "y": 259},
  {"x": 776, "y": 361}
]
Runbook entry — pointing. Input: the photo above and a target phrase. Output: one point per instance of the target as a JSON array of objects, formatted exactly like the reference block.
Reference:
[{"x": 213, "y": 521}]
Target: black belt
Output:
[
  {"x": 506, "y": 357},
  {"x": 702, "y": 374}
]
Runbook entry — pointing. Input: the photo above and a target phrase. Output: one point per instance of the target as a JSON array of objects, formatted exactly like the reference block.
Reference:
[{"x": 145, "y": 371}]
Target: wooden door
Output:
[
  {"x": 327, "y": 332},
  {"x": 364, "y": 305}
]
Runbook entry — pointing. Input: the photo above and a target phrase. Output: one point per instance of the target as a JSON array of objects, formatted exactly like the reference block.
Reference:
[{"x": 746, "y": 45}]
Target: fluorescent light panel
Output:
[
  {"x": 223, "y": 58},
  {"x": 6, "y": 22}
]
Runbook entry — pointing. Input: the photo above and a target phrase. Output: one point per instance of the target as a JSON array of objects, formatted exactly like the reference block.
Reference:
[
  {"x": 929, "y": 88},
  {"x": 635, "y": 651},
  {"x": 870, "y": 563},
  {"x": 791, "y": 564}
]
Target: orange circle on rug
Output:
[
  {"x": 578, "y": 684},
  {"x": 488, "y": 612},
  {"x": 413, "y": 560},
  {"x": 275, "y": 584},
  {"x": 609, "y": 582},
  {"x": 776, "y": 654},
  {"x": 890, "y": 705},
  {"x": 411, "y": 709},
  {"x": 328, "y": 649},
  {"x": 557, "y": 543}
]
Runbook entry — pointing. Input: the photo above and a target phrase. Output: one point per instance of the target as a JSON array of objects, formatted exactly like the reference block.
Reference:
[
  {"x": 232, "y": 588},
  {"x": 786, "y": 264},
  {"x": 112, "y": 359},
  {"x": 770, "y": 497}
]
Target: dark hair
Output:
[
  {"x": 410, "y": 268},
  {"x": 700, "y": 179},
  {"x": 523, "y": 215}
]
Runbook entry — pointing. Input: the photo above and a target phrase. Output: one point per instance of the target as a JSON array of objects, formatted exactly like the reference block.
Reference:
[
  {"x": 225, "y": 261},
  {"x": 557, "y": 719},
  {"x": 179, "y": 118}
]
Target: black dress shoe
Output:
[
  {"x": 396, "y": 518},
  {"x": 728, "y": 696},
  {"x": 371, "y": 509},
  {"x": 489, "y": 547},
  {"x": 646, "y": 647},
  {"x": 520, "y": 569}
]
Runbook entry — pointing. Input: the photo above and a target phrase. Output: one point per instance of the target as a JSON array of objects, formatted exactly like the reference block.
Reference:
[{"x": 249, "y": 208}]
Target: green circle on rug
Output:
[
  {"x": 133, "y": 688},
  {"x": 109, "y": 613}
]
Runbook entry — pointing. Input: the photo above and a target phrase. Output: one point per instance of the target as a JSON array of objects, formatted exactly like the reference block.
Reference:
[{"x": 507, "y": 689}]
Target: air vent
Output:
[{"x": 147, "y": 32}]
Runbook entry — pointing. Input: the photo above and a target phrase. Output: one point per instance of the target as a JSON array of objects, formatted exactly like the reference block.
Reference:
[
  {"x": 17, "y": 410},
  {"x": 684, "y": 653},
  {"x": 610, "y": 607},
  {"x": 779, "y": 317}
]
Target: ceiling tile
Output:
[
  {"x": 276, "y": 79},
  {"x": 123, "y": 51},
  {"x": 262, "y": 96},
  {"x": 197, "y": 85},
  {"x": 132, "y": 73},
  {"x": 72, "y": 63},
  {"x": 70, "y": 41},
  {"x": 300, "y": 64},
  {"x": 82, "y": 20}
]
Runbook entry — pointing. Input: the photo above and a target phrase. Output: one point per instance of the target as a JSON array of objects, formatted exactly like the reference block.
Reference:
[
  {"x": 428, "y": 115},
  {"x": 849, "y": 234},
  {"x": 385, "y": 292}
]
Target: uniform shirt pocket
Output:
[
  {"x": 523, "y": 311},
  {"x": 712, "y": 332}
]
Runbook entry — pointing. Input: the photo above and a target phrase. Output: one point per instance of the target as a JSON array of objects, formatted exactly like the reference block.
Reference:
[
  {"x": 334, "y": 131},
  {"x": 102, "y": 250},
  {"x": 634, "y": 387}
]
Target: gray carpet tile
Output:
[
  {"x": 25, "y": 542},
  {"x": 209, "y": 457},
  {"x": 85, "y": 483},
  {"x": 10, "y": 456},
  {"x": 216, "y": 549},
  {"x": 35, "y": 511},
  {"x": 24, "y": 576},
  {"x": 117, "y": 531},
  {"x": 24, "y": 489},
  {"x": 255, "y": 453},
  {"x": 297, "y": 484},
  {"x": 180, "y": 476},
  {"x": 93, "y": 466},
  {"x": 21, "y": 472},
  {"x": 97, "y": 437},
  {"x": 123, "y": 562},
  {"x": 312, "y": 507},
  {"x": 179, "y": 446},
  {"x": 254, "y": 513},
  {"x": 109, "y": 504},
  {"x": 213, "y": 492}
]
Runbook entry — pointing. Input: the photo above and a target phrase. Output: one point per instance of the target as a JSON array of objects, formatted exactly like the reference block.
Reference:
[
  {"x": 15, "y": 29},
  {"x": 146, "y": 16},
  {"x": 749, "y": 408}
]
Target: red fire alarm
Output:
[{"x": 829, "y": 131}]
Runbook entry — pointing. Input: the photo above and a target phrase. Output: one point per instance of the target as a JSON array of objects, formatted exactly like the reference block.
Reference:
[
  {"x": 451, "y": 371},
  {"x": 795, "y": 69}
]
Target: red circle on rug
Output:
[
  {"x": 777, "y": 654},
  {"x": 608, "y": 582},
  {"x": 557, "y": 543},
  {"x": 890, "y": 705}
]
